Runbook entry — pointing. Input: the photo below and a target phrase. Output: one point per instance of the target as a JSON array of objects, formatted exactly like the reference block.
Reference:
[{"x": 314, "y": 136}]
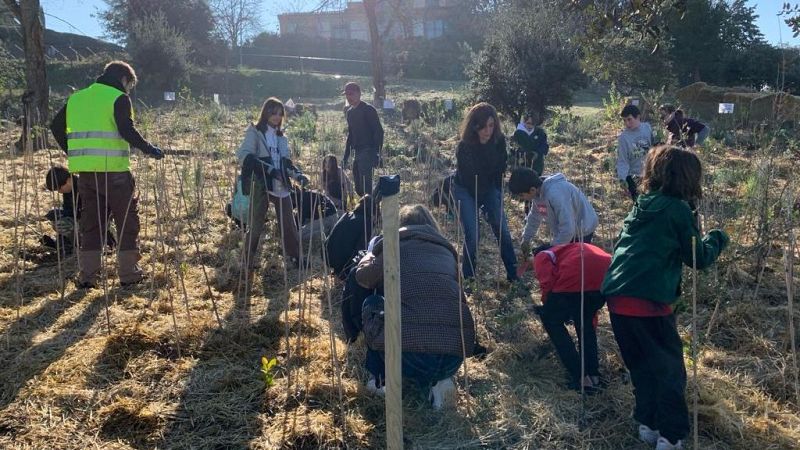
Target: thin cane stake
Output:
[{"x": 695, "y": 393}]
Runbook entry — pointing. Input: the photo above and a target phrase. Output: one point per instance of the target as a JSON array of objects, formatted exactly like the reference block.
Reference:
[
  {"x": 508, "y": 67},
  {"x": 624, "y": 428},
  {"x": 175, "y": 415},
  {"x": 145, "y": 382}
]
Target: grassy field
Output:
[{"x": 176, "y": 361}]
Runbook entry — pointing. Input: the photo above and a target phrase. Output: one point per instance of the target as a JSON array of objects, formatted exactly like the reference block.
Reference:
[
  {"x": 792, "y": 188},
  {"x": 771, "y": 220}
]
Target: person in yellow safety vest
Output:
[{"x": 95, "y": 128}]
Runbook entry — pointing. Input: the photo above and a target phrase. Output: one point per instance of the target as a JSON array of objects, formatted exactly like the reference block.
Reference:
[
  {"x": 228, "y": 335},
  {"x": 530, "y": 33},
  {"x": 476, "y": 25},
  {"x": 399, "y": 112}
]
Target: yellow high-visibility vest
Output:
[{"x": 93, "y": 142}]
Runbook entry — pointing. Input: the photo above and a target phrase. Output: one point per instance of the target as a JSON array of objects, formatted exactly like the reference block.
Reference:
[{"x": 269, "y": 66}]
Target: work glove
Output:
[
  {"x": 155, "y": 152},
  {"x": 302, "y": 179}
]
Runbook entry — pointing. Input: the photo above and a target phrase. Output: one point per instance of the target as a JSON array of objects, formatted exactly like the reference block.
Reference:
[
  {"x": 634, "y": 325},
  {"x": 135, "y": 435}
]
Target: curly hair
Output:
[{"x": 674, "y": 171}]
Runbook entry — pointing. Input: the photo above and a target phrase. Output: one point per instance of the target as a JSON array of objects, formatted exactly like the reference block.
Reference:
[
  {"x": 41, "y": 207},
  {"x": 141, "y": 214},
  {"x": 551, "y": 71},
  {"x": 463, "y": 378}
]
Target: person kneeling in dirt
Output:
[
  {"x": 63, "y": 218},
  {"x": 563, "y": 271},
  {"x": 569, "y": 214},
  {"x": 683, "y": 131},
  {"x": 312, "y": 209},
  {"x": 437, "y": 326},
  {"x": 351, "y": 234},
  {"x": 267, "y": 171}
]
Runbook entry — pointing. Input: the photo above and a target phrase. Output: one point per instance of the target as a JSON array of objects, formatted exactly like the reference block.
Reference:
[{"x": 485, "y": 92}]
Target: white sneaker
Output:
[
  {"x": 443, "y": 394},
  {"x": 664, "y": 444},
  {"x": 374, "y": 389},
  {"x": 648, "y": 435}
]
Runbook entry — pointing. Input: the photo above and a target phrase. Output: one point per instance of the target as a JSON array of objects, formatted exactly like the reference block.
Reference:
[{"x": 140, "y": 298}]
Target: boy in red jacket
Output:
[{"x": 563, "y": 272}]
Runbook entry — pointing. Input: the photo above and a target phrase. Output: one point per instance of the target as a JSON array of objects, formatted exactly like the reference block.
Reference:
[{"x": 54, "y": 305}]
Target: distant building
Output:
[{"x": 414, "y": 18}]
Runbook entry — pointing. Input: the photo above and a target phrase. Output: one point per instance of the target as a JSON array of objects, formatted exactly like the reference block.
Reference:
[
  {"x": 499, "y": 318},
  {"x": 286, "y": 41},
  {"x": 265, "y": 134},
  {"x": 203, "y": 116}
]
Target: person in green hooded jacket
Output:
[{"x": 658, "y": 237}]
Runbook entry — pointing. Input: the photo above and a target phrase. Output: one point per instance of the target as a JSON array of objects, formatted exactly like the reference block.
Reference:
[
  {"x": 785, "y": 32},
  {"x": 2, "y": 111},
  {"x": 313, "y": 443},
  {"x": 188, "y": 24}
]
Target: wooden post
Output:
[{"x": 390, "y": 205}]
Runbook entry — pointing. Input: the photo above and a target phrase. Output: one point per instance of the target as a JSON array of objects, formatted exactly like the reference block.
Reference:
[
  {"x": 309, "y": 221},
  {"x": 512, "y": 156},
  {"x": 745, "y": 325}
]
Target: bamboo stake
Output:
[
  {"x": 393, "y": 335},
  {"x": 695, "y": 393},
  {"x": 788, "y": 260}
]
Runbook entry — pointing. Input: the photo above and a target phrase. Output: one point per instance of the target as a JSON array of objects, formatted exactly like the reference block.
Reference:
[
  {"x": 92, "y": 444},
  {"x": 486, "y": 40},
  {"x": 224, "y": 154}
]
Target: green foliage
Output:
[
  {"x": 630, "y": 63},
  {"x": 11, "y": 71},
  {"x": 160, "y": 53},
  {"x": 529, "y": 61},
  {"x": 267, "y": 368},
  {"x": 303, "y": 127},
  {"x": 565, "y": 127},
  {"x": 192, "y": 19},
  {"x": 612, "y": 106}
]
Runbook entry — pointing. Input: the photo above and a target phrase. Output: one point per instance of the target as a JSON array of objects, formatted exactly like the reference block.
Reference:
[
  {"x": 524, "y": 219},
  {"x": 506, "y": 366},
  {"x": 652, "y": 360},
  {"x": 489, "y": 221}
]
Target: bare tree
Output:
[
  {"x": 35, "y": 99},
  {"x": 236, "y": 20},
  {"x": 376, "y": 36}
]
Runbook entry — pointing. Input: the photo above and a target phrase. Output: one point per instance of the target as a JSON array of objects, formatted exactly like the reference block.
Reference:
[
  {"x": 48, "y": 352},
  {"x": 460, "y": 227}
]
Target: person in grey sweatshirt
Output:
[
  {"x": 568, "y": 213},
  {"x": 633, "y": 144}
]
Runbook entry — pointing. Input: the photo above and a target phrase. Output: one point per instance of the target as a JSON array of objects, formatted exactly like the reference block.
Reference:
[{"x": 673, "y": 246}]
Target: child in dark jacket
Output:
[
  {"x": 532, "y": 142},
  {"x": 682, "y": 130},
  {"x": 58, "y": 179},
  {"x": 658, "y": 237},
  {"x": 563, "y": 272}
]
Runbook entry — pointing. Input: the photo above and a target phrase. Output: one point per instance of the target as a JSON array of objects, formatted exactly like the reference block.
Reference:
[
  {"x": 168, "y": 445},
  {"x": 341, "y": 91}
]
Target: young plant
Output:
[{"x": 267, "y": 368}]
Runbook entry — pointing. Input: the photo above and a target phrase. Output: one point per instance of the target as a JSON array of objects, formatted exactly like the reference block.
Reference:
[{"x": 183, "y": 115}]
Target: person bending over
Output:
[{"x": 438, "y": 331}]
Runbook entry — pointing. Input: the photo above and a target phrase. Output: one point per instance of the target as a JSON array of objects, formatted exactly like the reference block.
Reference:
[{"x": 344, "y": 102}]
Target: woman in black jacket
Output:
[{"x": 481, "y": 164}]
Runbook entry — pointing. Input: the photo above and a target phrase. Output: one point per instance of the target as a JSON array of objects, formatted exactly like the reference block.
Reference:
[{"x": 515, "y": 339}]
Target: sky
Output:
[{"x": 76, "y": 16}]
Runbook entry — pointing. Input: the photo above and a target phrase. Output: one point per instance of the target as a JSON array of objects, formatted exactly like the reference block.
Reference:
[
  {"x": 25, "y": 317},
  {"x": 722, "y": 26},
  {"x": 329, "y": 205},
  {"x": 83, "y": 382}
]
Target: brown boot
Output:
[
  {"x": 89, "y": 263},
  {"x": 128, "y": 267}
]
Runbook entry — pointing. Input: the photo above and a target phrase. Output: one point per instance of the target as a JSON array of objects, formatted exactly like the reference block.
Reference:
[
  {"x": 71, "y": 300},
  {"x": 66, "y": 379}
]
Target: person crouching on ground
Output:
[
  {"x": 438, "y": 331},
  {"x": 335, "y": 183},
  {"x": 563, "y": 272},
  {"x": 481, "y": 162},
  {"x": 658, "y": 237},
  {"x": 569, "y": 214},
  {"x": 683, "y": 131},
  {"x": 58, "y": 179},
  {"x": 266, "y": 174}
]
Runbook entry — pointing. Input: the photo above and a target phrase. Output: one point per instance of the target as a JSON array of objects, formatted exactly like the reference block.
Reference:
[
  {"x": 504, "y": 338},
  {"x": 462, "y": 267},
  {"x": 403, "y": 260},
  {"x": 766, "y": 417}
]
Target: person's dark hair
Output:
[
  {"x": 330, "y": 175},
  {"x": 535, "y": 117},
  {"x": 417, "y": 215},
  {"x": 674, "y": 171},
  {"x": 119, "y": 69},
  {"x": 522, "y": 180},
  {"x": 630, "y": 110},
  {"x": 668, "y": 108},
  {"x": 56, "y": 177},
  {"x": 476, "y": 119},
  {"x": 271, "y": 106}
]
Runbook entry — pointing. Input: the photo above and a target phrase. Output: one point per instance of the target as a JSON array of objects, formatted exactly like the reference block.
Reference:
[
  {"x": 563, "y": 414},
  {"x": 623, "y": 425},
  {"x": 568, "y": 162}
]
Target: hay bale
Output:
[
  {"x": 411, "y": 110},
  {"x": 779, "y": 107}
]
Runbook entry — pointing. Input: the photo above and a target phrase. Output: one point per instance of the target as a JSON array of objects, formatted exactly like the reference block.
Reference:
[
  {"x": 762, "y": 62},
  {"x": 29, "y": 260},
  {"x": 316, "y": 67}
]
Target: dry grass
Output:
[{"x": 152, "y": 367}]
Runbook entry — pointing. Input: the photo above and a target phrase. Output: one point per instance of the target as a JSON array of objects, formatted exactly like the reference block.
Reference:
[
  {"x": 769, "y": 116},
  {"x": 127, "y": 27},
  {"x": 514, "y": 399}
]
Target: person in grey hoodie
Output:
[
  {"x": 266, "y": 174},
  {"x": 569, "y": 215},
  {"x": 633, "y": 144}
]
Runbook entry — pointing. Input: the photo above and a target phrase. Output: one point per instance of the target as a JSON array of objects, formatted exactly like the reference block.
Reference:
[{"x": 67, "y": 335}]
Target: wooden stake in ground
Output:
[
  {"x": 695, "y": 392},
  {"x": 389, "y": 187}
]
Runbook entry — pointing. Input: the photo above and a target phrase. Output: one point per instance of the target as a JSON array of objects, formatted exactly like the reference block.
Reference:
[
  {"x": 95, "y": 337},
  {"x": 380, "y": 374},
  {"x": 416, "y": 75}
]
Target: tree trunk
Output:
[
  {"x": 376, "y": 51},
  {"x": 35, "y": 99}
]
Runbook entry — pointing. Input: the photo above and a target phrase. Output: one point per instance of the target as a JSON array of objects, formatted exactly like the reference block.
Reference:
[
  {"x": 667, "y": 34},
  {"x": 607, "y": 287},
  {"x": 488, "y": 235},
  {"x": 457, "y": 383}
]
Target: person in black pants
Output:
[
  {"x": 364, "y": 138},
  {"x": 563, "y": 271}
]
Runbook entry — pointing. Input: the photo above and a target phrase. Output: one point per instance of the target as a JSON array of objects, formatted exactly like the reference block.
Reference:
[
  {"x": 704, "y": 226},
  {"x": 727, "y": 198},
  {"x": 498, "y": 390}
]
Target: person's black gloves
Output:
[
  {"x": 302, "y": 179},
  {"x": 154, "y": 152}
]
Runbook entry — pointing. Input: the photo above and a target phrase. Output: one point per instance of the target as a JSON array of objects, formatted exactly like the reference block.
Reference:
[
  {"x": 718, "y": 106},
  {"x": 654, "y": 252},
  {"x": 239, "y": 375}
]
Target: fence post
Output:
[{"x": 389, "y": 188}]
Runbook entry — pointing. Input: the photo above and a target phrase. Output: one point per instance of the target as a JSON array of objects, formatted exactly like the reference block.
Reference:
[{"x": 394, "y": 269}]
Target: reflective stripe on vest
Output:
[
  {"x": 93, "y": 141},
  {"x": 94, "y": 134}
]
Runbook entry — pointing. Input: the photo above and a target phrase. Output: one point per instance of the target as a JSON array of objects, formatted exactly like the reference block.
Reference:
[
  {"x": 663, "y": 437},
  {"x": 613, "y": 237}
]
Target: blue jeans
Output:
[
  {"x": 491, "y": 204},
  {"x": 424, "y": 368}
]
